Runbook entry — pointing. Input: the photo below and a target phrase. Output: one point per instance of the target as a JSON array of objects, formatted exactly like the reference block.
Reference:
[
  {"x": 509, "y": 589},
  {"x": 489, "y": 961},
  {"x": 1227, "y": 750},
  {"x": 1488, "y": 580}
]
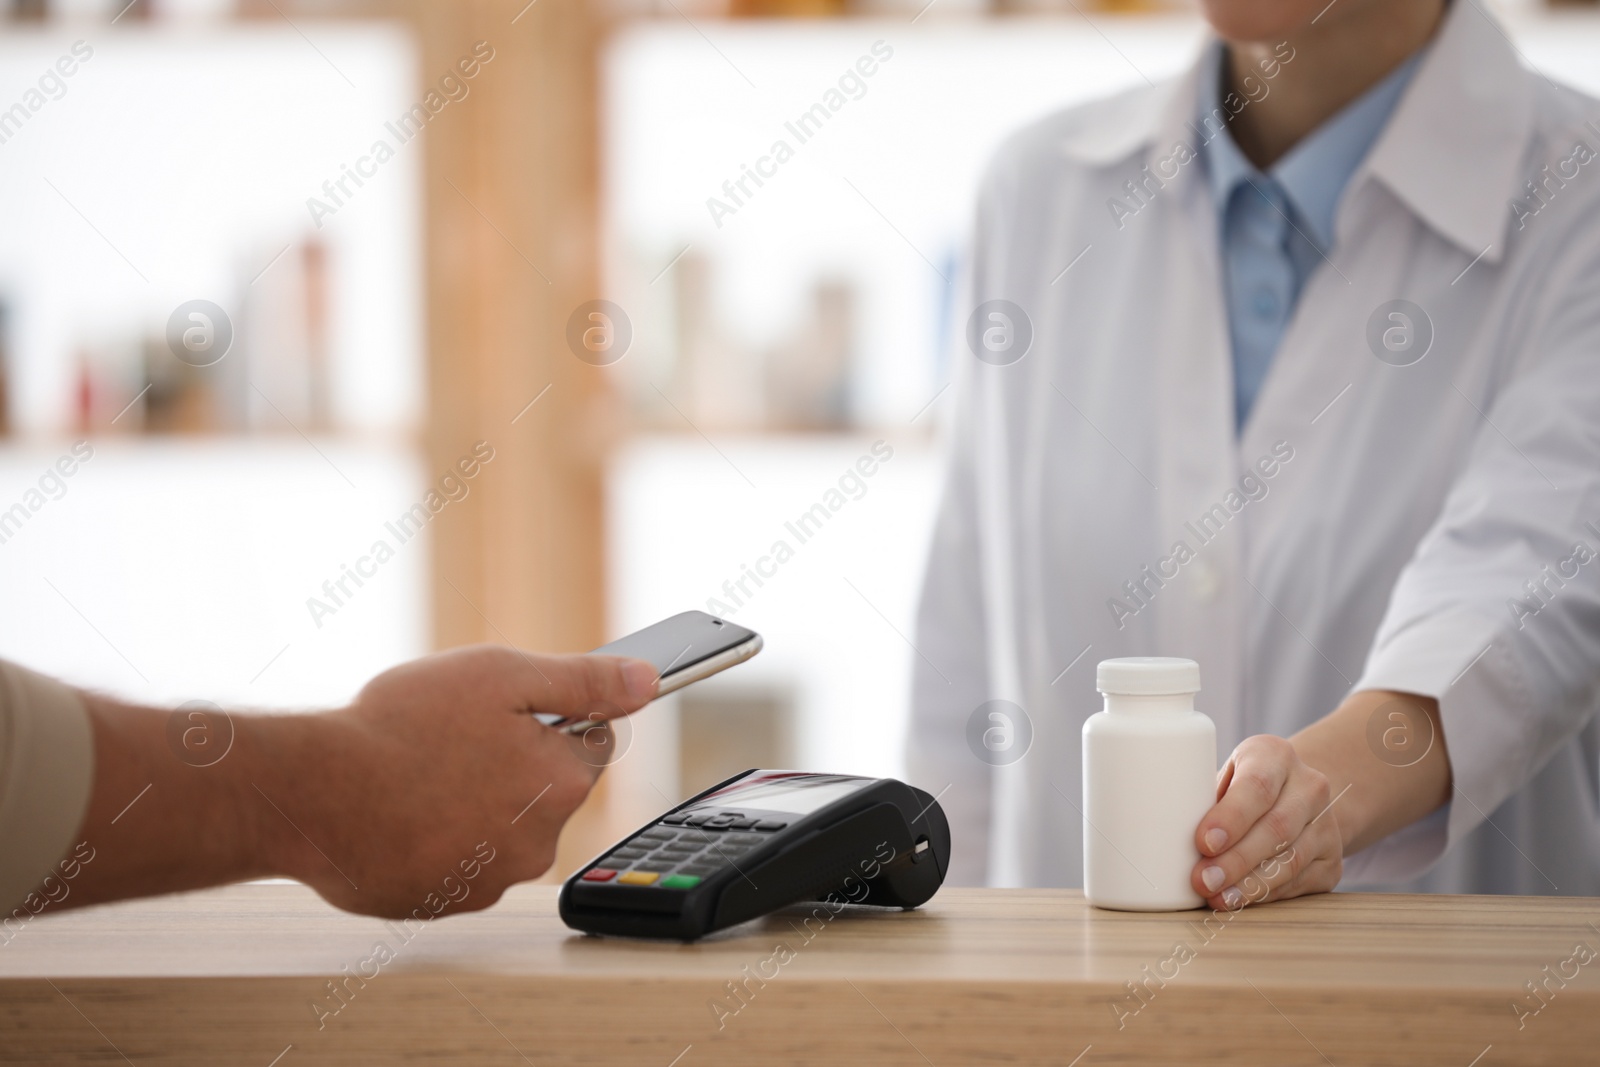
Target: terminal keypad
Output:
[{"x": 684, "y": 848}]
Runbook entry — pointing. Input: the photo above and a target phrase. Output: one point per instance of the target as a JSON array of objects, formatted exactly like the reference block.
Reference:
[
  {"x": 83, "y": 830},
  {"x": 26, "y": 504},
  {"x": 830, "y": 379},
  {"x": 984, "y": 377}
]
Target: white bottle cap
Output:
[{"x": 1147, "y": 676}]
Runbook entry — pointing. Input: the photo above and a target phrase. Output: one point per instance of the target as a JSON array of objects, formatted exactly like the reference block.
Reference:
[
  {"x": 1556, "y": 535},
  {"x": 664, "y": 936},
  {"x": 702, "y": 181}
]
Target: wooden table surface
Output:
[{"x": 242, "y": 976}]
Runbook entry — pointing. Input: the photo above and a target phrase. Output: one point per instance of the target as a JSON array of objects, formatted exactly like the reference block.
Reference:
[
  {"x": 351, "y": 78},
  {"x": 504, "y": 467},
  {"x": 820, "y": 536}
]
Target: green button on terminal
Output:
[{"x": 680, "y": 881}]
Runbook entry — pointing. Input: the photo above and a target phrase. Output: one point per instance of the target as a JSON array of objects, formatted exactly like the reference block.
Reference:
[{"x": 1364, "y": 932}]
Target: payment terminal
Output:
[{"x": 759, "y": 841}]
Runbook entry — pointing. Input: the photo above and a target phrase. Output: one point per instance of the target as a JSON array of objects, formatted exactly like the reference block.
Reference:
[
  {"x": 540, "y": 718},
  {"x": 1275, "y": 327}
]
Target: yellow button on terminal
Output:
[{"x": 639, "y": 878}]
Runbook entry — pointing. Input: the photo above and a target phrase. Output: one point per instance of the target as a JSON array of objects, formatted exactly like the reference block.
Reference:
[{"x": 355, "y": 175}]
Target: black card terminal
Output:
[{"x": 759, "y": 841}]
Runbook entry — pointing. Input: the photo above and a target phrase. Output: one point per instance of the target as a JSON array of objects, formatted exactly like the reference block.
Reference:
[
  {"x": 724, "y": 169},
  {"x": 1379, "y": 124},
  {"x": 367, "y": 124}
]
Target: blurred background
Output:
[{"x": 271, "y": 269}]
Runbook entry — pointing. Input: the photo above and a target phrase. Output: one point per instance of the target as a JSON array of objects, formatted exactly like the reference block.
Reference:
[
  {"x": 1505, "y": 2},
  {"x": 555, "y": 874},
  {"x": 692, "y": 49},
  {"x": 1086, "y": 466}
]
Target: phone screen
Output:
[{"x": 674, "y": 644}]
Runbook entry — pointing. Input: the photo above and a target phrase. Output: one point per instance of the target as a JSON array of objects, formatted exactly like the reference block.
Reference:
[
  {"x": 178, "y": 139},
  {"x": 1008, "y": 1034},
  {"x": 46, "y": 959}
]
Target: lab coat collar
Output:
[
  {"x": 1450, "y": 152},
  {"x": 1149, "y": 118}
]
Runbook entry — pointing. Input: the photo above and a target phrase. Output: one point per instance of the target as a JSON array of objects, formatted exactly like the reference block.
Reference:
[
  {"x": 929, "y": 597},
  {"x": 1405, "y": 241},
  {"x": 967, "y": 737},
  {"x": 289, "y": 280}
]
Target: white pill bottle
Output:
[{"x": 1149, "y": 777}]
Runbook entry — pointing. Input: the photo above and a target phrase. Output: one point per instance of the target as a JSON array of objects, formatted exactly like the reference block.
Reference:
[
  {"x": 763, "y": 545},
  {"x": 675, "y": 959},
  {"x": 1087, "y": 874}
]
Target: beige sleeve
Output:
[{"x": 46, "y": 770}]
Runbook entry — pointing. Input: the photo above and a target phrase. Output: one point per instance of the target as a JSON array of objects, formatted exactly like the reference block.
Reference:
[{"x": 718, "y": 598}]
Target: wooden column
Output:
[
  {"x": 511, "y": 182},
  {"x": 510, "y": 249}
]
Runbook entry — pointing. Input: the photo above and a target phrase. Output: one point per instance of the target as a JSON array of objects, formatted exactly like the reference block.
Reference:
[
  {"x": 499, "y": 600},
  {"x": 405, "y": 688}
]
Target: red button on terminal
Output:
[{"x": 599, "y": 874}]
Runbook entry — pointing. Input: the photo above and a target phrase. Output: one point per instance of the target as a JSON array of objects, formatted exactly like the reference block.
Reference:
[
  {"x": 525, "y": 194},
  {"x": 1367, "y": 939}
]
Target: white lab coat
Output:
[{"x": 1390, "y": 548}]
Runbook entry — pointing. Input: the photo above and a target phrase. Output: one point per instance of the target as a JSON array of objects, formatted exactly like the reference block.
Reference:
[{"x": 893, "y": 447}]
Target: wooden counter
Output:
[{"x": 241, "y": 977}]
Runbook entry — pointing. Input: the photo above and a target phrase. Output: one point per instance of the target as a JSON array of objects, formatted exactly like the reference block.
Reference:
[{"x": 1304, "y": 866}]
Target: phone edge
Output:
[
  {"x": 671, "y": 683},
  {"x": 675, "y": 681}
]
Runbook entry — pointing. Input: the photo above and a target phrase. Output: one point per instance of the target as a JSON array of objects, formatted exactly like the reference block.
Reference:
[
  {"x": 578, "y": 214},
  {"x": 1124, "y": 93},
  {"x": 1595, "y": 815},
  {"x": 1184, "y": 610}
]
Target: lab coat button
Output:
[{"x": 1206, "y": 582}]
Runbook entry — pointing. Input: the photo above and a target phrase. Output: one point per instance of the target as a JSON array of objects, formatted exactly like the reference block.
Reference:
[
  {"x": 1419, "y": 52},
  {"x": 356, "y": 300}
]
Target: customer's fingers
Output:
[
  {"x": 598, "y": 687},
  {"x": 595, "y": 747}
]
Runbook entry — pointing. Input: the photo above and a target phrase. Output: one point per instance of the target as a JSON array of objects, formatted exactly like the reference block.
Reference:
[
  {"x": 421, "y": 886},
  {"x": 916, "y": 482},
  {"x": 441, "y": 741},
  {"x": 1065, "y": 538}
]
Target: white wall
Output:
[
  {"x": 835, "y": 617},
  {"x": 166, "y": 572}
]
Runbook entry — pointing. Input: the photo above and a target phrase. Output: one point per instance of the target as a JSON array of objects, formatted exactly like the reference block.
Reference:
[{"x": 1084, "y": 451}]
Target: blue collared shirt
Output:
[{"x": 1277, "y": 227}]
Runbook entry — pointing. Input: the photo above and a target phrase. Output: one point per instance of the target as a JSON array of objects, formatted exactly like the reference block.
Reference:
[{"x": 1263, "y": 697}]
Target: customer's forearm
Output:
[
  {"x": 1385, "y": 758},
  {"x": 185, "y": 801}
]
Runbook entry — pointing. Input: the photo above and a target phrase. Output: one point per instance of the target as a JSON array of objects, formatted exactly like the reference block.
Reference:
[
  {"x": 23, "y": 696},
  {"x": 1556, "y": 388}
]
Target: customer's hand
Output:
[
  {"x": 430, "y": 794},
  {"x": 1272, "y": 833},
  {"x": 439, "y": 765}
]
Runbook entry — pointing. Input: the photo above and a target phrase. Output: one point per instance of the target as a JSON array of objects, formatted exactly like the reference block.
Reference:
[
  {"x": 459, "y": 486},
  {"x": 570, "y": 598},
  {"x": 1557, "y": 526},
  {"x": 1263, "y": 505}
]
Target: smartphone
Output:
[{"x": 684, "y": 648}]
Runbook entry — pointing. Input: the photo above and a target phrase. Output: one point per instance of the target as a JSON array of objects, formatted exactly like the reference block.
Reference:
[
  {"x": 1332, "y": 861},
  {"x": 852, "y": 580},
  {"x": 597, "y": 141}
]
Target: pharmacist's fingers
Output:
[
  {"x": 1280, "y": 870},
  {"x": 1302, "y": 796},
  {"x": 1320, "y": 876},
  {"x": 1288, "y": 822},
  {"x": 1316, "y": 876},
  {"x": 1250, "y": 783}
]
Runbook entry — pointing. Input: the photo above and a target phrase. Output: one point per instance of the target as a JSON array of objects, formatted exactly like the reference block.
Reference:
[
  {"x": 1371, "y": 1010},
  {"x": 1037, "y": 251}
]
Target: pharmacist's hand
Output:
[
  {"x": 1272, "y": 834},
  {"x": 445, "y": 786}
]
